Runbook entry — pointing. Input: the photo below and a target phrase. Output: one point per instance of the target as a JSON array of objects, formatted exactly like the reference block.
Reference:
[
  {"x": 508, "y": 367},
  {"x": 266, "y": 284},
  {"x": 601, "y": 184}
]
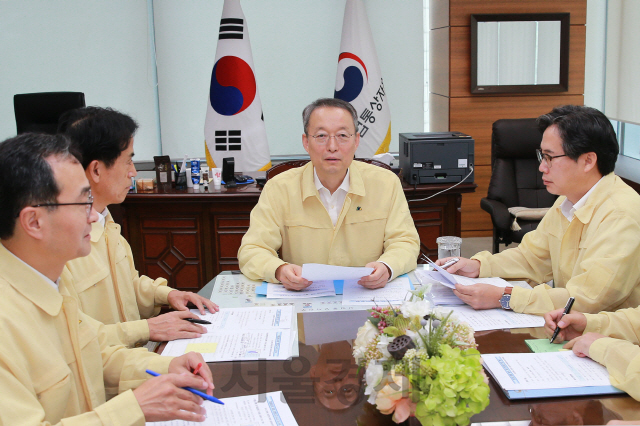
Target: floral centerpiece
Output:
[{"x": 423, "y": 362}]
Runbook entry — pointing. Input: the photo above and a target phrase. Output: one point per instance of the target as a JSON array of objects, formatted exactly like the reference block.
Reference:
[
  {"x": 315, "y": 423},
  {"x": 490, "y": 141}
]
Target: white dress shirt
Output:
[{"x": 568, "y": 209}]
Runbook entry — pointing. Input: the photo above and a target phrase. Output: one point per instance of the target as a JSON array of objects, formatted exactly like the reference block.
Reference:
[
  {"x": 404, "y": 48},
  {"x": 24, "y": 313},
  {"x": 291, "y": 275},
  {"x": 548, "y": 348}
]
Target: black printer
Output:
[{"x": 436, "y": 157}]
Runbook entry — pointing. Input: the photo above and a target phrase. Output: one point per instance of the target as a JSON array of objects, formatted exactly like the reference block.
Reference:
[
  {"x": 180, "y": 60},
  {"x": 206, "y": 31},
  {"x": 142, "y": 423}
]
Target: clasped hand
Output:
[{"x": 290, "y": 276}]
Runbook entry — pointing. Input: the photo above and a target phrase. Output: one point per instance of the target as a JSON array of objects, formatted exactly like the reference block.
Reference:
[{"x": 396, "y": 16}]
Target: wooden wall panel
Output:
[
  {"x": 473, "y": 217},
  {"x": 459, "y": 10},
  {"x": 460, "y": 64},
  {"x": 475, "y": 115},
  {"x": 438, "y": 113}
]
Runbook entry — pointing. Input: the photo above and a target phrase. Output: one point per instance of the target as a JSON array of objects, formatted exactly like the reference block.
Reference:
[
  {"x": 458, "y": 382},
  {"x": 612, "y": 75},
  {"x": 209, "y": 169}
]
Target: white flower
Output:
[
  {"x": 418, "y": 308},
  {"x": 373, "y": 376},
  {"x": 366, "y": 334},
  {"x": 359, "y": 353},
  {"x": 416, "y": 338},
  {"x": 383, "y": 342}
]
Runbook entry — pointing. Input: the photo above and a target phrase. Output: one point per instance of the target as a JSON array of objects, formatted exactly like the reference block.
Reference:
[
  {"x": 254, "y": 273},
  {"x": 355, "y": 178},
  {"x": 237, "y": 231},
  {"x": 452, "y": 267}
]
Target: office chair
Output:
[
  {"x": 515, "y": 179},
  {"x": 39, "y": 112},
  {"x": 283, "y": 167}
]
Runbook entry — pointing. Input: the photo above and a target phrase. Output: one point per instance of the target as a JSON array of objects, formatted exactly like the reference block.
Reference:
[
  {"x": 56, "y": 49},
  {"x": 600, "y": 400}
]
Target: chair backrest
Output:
[
  {"x": 39, "y": 112},
  {"x": 515, "y": 178},
  {"x": 283, "y": 167}
]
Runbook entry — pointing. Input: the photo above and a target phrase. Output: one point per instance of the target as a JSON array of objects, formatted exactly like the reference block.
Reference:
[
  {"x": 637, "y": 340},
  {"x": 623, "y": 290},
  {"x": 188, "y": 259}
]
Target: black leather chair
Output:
[
  {"x": 39, "y": 112},
  {"x": 515, "y": 179}
]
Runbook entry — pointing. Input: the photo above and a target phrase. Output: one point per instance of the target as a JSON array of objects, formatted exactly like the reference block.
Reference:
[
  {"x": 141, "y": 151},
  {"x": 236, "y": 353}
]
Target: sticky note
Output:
[
  {"x": 543, "y": 345},
  {"x": 203, "y": 348}
]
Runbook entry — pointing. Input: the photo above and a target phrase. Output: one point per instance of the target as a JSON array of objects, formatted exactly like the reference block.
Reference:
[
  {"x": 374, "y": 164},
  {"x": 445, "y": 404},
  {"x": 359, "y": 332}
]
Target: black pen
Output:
[
  {"x": 196, "y": 321},
  {"x": 567, "y": 309}
]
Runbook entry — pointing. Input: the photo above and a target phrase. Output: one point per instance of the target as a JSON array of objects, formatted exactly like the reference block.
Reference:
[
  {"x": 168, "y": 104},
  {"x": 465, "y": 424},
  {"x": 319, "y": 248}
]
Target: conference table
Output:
[{"x": 323, "y": 385}]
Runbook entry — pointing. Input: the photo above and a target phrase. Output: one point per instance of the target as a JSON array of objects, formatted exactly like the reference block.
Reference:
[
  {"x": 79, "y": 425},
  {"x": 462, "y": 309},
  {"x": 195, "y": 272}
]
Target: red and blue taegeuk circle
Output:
[
  {"x": 353, "y": 78},
  {"x": 233, "y": 86}
]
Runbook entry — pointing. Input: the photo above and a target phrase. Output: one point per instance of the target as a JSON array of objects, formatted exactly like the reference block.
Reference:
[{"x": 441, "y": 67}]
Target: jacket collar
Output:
[
  {"x": 356, "y": 184},
  {"x": 28, "y": 283},
  {"x": 599, "y": 194},
  {"x": 97, "y": 229}
]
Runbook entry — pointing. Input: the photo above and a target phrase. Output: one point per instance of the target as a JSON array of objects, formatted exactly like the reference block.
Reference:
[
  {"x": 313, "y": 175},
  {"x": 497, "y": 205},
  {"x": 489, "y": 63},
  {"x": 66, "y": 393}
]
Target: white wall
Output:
[
  {"x": 96, "y": 47},
  {"x": 101, "y": 48}
]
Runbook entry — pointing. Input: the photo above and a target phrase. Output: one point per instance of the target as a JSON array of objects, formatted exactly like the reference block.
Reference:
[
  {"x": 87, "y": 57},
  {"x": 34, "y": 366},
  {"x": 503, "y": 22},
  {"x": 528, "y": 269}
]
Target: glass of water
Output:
[{"x": 448, "y": 247}]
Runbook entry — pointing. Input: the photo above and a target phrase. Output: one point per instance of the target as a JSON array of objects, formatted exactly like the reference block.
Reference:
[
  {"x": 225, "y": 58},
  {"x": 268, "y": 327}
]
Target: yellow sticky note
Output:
[{"x": 203, "y": 348}]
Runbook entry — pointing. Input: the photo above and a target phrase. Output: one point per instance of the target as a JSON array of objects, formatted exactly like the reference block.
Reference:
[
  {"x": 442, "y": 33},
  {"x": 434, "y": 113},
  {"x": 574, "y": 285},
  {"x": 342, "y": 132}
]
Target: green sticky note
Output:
[
  {"x": 203, "y": 348},
  {"x": 543, "y": 345}
]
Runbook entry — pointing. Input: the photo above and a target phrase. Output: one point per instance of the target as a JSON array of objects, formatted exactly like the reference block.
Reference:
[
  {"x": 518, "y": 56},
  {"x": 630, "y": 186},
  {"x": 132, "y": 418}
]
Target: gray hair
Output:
[{"x": 328, "y": 103}]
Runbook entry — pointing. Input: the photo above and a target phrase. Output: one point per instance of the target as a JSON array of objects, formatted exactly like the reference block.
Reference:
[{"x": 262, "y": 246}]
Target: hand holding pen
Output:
[{"x": 566, "y": 310}]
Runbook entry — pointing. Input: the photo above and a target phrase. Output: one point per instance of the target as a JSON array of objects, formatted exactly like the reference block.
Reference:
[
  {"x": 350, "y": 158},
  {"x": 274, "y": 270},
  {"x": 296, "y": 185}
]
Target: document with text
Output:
[
  {"x": 320, "y": 272},
  {"x": 494, "y": 319},
  {"x": 264, "y": 409},
  {"x": 316, "y": 289},
  {"x": 395, "y": 292}
]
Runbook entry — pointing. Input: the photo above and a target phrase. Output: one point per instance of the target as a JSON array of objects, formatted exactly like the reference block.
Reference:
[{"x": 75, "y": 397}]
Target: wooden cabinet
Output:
[{"x": 190, "y": 237}]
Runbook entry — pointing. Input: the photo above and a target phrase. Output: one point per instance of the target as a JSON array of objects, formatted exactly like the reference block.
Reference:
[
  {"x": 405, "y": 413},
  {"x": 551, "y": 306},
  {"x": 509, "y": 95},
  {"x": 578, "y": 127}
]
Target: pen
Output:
[
  {"x": 450, "y": 262},
  {"x": 196, "y": 321},
  {"x": 567, "y": 309},
  {"x": 192, "y": 390},
  {"x": 198, "y": 367}
]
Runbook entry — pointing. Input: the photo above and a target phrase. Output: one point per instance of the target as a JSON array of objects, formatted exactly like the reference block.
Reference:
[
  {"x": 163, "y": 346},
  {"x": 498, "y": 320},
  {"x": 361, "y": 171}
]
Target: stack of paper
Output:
[
  {"x": 550, "y": 374},
  {"x": 395, "y": 292},
  {"x": 264, "y": 409},
  {"x": 238, "y": 334},
  {"x": 495, "y": 319}
]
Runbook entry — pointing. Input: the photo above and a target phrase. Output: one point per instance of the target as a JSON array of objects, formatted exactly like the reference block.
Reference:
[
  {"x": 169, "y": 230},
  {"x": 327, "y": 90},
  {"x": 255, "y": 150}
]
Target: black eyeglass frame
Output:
[
  {"x": 546, "y": 157},
  {"x": 90, "y": 204}
]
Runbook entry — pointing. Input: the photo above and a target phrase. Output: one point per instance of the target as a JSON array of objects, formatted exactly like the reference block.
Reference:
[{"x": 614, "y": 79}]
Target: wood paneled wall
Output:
[{"x": 452, "y": 106}]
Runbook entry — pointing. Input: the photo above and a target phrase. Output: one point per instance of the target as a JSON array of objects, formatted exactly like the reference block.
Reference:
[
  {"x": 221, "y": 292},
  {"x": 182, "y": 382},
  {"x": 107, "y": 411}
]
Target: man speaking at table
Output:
[
  {"x": 588, "y": 242},
  {"x": 332, "y": 211},
  {"x": 56, "y": 365}
]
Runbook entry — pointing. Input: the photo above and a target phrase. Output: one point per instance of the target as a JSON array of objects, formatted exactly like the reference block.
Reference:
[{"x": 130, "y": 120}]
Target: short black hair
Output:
[
  {"x": 98, "y": 133},
  {"x": 26, "y": 178},
  {"x": 328, "y": 103},
  {"x": 584, "y": 129}
]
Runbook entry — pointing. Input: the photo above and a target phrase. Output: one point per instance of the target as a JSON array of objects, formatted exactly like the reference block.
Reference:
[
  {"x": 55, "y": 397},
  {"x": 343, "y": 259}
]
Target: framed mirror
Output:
[{"x": 520, "y": 53}]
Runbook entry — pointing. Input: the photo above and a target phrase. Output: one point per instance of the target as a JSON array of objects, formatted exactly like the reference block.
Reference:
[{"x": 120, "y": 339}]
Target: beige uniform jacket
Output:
[
  {"x": 374, "y": 224},
  {"x": 594, "y": 258},
  {"x": 55, "y": 363},
  {"x": 108, "y": 288},
  {"x": 621, "y": 357}
]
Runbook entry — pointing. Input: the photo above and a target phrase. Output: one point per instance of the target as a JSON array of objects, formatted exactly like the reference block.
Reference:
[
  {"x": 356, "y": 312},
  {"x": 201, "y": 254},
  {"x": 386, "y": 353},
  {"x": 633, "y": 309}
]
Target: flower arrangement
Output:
[{"x": 421, "y": 361}]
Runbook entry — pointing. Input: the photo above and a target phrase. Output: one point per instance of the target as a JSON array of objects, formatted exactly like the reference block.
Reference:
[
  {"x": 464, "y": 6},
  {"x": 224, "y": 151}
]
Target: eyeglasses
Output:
[
  {"x": 546, "y": 157},
  {"x": 88, "y": 205},
  {"x": 341, "y": 138}
]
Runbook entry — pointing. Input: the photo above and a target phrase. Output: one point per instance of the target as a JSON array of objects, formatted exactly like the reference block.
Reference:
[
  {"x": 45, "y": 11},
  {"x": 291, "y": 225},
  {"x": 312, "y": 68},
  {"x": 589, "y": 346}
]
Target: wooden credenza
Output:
[{"x": 190, "y": 237}]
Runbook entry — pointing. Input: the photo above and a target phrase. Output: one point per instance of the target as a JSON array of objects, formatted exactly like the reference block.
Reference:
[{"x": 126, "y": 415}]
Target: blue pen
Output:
[{"x": 192, "y": 390}]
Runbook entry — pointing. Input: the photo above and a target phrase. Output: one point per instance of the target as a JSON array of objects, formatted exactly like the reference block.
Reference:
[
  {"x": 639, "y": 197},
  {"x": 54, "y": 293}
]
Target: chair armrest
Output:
[{"x": 500, "y": 215}]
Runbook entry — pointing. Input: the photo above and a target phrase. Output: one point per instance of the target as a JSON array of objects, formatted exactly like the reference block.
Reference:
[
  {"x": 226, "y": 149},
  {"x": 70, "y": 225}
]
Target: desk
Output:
[
  {"x": 333, "y": 360},
  {"x": 190, "y": 237}
]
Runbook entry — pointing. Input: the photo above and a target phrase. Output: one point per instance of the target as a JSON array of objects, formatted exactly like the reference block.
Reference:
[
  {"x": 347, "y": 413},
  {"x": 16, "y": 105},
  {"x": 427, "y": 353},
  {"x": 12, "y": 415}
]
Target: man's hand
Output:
[
  {"x": 291, "y": 277},
  {"x": 571, "y": 325},
  {"x": 172, "y": 326},
  {"x": 162, "y": 398},
  {"x": 465, "y": 267},
  {"x": 187, "y": 363},
  {"x": 479, "y": 296},
  {"x": 581, "y": 345},
  {"x": 378, "y": 278},
  {"x": 178, "y": 300}
]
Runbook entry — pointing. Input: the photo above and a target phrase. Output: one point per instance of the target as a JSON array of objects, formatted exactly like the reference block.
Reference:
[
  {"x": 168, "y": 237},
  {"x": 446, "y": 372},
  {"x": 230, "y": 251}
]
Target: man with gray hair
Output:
[{"x": 332, "y": 211}]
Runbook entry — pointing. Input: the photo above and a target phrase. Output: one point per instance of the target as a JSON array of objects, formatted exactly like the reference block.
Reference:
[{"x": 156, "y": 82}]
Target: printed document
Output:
[
  {"x": 549, "y": 370},
  {"x": 237, "y": 334},
  {"x": 395, "y": 292},
  {"x": 319, "y": 272},
  {"x": 494, "y": 319},
  {"x": 316, "y": 289},
  {"x": 264, "y": 409}
]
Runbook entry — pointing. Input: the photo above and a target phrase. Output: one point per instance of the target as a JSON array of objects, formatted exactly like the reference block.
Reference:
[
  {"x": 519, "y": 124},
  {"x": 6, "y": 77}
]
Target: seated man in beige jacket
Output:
[
  {"x": 56, "y": 364},
  {"x": 106, "y": 283}
]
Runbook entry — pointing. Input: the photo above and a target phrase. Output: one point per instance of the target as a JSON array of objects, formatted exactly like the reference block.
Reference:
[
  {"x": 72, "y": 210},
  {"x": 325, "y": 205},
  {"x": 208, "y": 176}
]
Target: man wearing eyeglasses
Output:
[
  {"x": 588, "y": 243},
  {"x": 56, "y": 363},
  {"x": 332, "y": 211},
  {"x": 106, "y": 283}
]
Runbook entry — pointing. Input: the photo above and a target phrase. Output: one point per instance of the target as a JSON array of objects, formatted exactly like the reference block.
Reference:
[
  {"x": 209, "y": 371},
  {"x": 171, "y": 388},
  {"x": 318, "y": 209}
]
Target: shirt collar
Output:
[
  {"x": 102, "y": 217},
  {"x": 24, "y": 278},
  {"x": 568, "y": 209},
  {"x": 343, "y": 186}
]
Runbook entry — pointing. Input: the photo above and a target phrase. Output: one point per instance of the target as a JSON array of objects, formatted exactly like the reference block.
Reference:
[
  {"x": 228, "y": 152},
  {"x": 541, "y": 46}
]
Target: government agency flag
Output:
[
  {"x": 359, "y": 81},
  {"x": 234, "y": 126}
]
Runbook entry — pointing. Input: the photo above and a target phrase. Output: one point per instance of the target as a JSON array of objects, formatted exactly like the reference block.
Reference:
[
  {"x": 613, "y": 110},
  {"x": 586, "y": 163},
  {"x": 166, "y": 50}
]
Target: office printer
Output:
[{"x": 436, "y": 157}]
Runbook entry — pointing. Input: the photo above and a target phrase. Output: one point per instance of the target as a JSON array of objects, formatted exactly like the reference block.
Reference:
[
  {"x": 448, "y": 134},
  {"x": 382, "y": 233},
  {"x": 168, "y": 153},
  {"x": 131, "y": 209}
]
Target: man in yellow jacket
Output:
[
  {"x": 610, "y": 338},
  {"x": 56, "y": 364},
  {"x": 333, "y": 210},
  {"x": 106, "y": 284},
  {"x": 588, "y": 242}
]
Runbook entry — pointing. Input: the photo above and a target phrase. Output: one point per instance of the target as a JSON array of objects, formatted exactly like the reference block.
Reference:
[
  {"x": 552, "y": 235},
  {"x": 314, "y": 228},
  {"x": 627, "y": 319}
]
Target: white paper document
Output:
[
  {"x": 316, "y": 289},
  {"x": 548, "y": 370},
  {"x": 237, "y": 334},
  {"x": 395, "y": 292},
  {"x": 450, "y": 280},
  {"x": 319, "y": 272},
  {"x": 495, "y": 319},
  {"x": 265, "y": 409}
]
